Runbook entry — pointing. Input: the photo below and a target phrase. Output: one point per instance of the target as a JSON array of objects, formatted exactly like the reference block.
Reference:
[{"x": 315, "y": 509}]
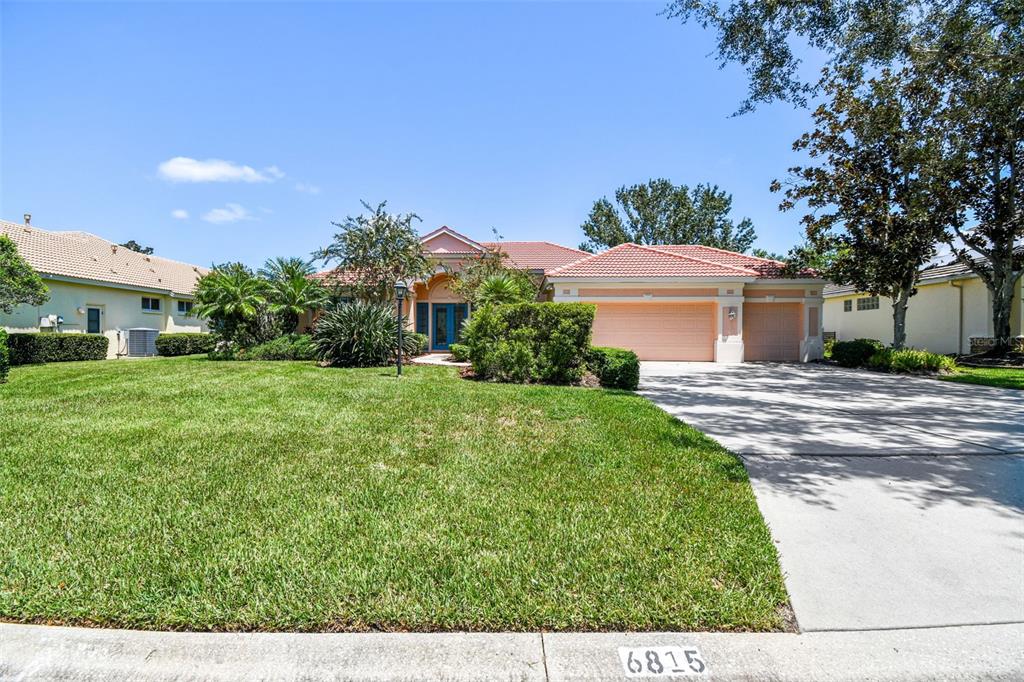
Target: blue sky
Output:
[{"x": 476, "y": 115}]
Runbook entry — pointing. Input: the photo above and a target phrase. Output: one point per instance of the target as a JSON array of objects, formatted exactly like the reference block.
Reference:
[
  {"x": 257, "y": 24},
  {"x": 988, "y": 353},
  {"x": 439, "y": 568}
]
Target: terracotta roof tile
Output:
[
  {"x": 537, "y": 255},
  {"x": 634, "y": 260},
  {"x": 81, "y": 255}
]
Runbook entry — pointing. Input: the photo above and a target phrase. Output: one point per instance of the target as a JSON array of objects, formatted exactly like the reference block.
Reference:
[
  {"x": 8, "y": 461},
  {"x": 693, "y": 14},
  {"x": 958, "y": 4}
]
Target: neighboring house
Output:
[
  {"x": 664, "y": 302},
  {"x": 99, "y": 287},
  {"x": 952, "y": 306}
]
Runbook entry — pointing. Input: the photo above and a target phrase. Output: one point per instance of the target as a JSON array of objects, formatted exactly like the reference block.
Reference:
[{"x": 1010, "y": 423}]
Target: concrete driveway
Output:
[{"x": 895, "y": 502}]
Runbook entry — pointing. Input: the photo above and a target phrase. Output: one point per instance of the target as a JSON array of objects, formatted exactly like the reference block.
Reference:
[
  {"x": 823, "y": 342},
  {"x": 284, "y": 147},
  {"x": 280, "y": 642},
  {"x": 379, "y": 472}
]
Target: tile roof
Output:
[
  {"x": 81, "y": 255},
  {"x": 536, "y": 255},
  {"x": 635, "y": 260}
]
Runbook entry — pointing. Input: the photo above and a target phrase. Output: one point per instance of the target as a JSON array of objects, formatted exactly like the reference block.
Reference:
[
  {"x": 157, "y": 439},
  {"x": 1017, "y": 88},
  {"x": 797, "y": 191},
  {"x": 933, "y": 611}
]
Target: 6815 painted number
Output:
[{"x": 662, "y": 661}]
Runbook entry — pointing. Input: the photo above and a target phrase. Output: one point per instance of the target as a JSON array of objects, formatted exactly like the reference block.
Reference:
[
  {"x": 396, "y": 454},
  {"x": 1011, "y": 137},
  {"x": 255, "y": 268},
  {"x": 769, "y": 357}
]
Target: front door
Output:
[
  {"x": 447, "y": 325},
  {"x": 92, "y": 320}
]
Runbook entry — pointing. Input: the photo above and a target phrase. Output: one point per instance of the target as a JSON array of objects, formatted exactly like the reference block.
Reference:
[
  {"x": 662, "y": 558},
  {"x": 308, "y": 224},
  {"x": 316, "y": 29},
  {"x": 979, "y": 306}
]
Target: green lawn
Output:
[
  {"x": 188, "y": 494},
  {"x": 988, "y": 376}
]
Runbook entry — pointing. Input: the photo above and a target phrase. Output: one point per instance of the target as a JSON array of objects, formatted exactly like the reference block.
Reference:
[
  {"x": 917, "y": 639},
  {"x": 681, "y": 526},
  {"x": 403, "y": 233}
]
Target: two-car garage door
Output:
[
  {"x": 685, "y": 331},
  {"x": 658, "y": 331}
]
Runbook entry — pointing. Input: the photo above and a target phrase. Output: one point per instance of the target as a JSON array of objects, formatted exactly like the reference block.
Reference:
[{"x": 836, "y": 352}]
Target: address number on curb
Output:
[{"x": 662, "y": 661}]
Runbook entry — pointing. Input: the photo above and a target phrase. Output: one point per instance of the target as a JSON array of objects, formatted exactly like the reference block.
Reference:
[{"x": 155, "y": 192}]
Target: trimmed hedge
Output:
[
  {"x": 615, "y": 367},
  {"x": 288, "y": 347},
  {"x": 186, "y": 343},
  {"x": 524, "y": 342},
  {"x": 5, "y": 356},
  {"x": 855, "y": 353},
  {"x": 34, "y": 348}
]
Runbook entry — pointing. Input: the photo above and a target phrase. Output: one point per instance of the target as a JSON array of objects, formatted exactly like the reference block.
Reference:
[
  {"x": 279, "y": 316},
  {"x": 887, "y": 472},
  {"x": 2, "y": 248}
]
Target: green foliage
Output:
[
  {"x": 5, "y": 356},
  {"x": 614, "y": 367},
  {"x": 874, "y": 200},
  {"x": 422, "y": 342},
  {"x": 288, "y": 347},
  {"x": 459, "y": 352},
  {"x": 488, "y": 277},
  {"x": 377, "y": 249},
  {"x": 543, "y": 342},
  {"x": 30, "y": 349},
  {"x": 361, "y": 334},
  {"x": 828, "y": 346},
  {"x": 234, "y": 300},
  {"x": 659, "y": 212},
  {"x": 911, "y": 361},
  {"x": 506, "y": 288},
  {"x": 133, "y": 245},
  {"x": 188, "y": 343},
  {"x": 855, "y": 353},
  {"x": 19, "y": 283},
  {"x": 292, "y": 296}
]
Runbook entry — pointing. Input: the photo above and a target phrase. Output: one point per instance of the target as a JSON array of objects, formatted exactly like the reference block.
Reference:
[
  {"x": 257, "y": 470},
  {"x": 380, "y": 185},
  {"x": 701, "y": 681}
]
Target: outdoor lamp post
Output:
[{"x": 400, "y": 289}]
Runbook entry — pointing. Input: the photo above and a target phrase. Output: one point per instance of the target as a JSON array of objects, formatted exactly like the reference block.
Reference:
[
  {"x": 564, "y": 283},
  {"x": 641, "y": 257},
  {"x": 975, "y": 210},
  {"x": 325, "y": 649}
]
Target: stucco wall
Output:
[
  {"x": 119, "y": 309},
  {"x": 933, "y": 317}
]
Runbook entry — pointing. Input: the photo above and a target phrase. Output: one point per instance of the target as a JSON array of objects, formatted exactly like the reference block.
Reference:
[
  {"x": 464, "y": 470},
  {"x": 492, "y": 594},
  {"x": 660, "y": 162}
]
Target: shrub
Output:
[
  {"x": 911, "y": 360},
  {"x": 855, "y": 353},
  {"x": 530, "y": 341},
  {"x": 615, "y": 367},
  {"x": 422, "y": 342},
  {"x": 459, "y": 352},
  {"x": 360, "y": 334},
  {"x": 33, "y": 348},
  {"x": 170, "y": 345},
  {"x": 288, "y": 347},
  {"x": 828, "y": 346},
  {"x": 5, "y": 356}
]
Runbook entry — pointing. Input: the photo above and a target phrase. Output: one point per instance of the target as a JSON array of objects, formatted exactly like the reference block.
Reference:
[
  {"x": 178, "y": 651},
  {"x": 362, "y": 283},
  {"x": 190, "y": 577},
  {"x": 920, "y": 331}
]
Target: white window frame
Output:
[{"x": 867, "y": 303}]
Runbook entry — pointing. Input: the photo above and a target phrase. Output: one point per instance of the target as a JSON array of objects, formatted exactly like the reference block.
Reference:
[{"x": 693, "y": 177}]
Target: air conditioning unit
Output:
[{"x": 141, "y": 342}]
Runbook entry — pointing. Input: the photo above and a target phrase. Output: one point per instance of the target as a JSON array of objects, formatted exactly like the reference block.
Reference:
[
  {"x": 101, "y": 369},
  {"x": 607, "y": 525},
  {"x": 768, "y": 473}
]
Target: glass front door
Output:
[
  {"x": 447, "y": 326},
  {"x": 442, "y": 321}
]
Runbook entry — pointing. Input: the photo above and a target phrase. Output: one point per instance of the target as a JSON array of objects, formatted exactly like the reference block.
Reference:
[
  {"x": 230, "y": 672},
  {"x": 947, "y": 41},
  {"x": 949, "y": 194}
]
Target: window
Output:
[
  {"x": 184, "y": 307},
  {"x": 151, "y": 304},
  {"x": 847, "y": 305},
  {"x": 869, "y": 303}
]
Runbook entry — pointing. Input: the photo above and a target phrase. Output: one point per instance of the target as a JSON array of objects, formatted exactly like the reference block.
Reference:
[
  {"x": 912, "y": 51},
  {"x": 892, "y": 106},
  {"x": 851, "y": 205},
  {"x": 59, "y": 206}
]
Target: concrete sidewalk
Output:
[{"x": 29, "y": 652}]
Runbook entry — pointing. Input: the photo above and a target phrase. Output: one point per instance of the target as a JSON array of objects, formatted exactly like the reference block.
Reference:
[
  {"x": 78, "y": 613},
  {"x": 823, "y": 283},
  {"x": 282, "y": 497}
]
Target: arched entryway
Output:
[{"x": 438, "y": 312}]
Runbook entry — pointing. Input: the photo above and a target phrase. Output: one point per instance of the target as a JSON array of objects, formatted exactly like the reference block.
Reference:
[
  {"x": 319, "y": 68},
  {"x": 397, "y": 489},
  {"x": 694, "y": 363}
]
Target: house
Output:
[
  {"x": 951, "y": 312},
  {"x": 664, "y": 302},
  {"x": 99, "y": 287}
]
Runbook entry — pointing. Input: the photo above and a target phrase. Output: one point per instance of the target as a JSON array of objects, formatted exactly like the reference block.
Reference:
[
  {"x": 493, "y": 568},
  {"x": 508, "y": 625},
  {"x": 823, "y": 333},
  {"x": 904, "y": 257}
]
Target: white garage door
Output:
[{"x": 658, "y": 331}]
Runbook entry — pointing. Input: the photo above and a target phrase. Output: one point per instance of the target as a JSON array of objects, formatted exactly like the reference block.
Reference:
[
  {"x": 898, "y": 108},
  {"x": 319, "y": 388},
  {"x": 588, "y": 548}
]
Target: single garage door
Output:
[
  {"x": 658, "y": 331},
  {"x": 771, "y": 331}
]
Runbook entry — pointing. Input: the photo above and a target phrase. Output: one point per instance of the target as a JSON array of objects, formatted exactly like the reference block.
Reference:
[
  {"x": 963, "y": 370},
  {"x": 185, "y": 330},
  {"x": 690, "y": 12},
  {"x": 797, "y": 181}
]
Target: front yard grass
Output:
[
  {"x": 988, "y": 376},
  {"x": 187, "y": 494}
]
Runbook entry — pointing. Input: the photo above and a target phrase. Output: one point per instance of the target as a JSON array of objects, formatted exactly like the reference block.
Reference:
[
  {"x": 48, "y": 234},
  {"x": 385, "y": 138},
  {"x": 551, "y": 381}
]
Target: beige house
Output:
[
  {"x": 952, "y": 306},
  {"x": 99, "y": 287},
  {"x": 669, "y": 302}
]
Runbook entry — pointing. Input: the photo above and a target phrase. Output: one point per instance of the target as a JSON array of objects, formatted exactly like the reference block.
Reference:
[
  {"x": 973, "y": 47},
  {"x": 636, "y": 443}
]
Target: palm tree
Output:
[
  {"x": 291, "y": 296},
  {"x": 498, "y": 289},
  {"x": 281, "y": 269},
  {"x": 230, "y": 296}
]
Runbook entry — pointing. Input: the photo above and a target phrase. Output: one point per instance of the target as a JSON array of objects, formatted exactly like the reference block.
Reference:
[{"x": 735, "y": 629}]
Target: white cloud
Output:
[
  {"x": 231, "y": 213},
  {"x": 184, "y": 169},
  {"x": 180, "y": 214},
  {"x": 306, "y": 188}
]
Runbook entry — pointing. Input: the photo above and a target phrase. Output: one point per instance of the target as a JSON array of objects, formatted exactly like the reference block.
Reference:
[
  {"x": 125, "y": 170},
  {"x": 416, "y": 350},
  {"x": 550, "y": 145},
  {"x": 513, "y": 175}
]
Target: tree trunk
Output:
[
  {"x": 1002, "y": 310},
  {"x": 899, "y": 317}
]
